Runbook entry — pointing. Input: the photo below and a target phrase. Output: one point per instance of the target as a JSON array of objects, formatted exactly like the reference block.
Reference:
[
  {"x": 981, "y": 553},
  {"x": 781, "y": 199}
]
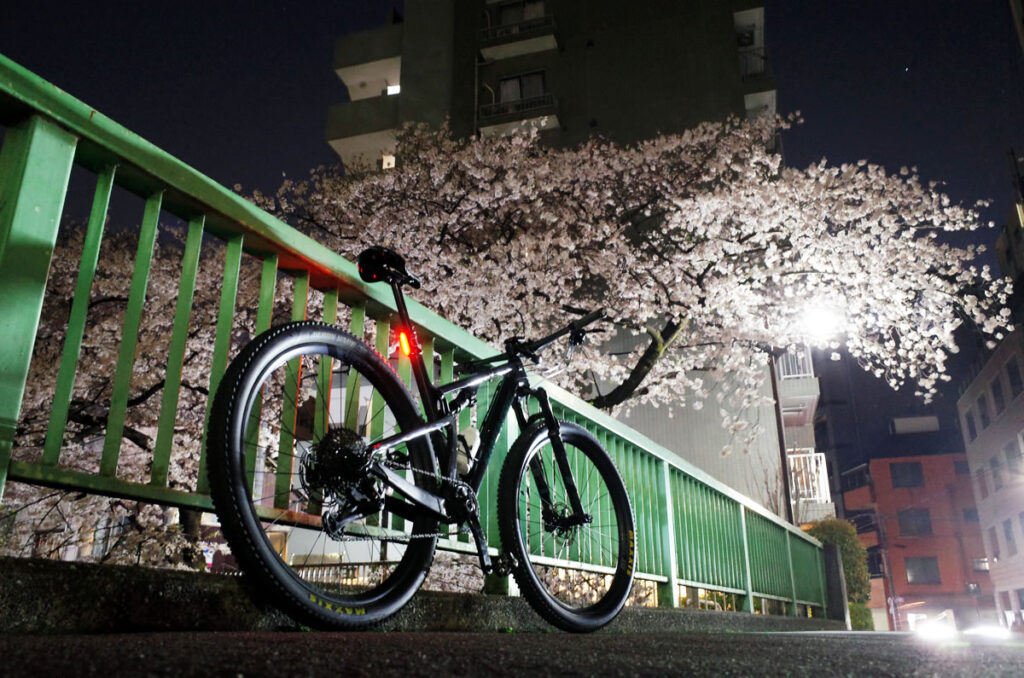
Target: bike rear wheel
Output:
[
  {"x": 576, "y": 570},
  {"x": 288, "y": 461}
]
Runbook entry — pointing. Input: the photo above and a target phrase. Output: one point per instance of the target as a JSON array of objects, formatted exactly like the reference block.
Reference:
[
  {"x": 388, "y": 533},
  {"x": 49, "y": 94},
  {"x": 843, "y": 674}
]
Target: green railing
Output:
[{"x": 693, "y": 532}]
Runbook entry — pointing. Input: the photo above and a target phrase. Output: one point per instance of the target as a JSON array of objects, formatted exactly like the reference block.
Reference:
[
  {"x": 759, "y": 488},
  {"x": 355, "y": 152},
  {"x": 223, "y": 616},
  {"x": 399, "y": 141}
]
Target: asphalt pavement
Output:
[{"x": 537, "y": 655}]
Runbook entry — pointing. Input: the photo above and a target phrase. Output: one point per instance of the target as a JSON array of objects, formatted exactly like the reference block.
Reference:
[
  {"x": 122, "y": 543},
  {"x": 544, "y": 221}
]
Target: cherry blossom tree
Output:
[{"x": 702, "y": 243}]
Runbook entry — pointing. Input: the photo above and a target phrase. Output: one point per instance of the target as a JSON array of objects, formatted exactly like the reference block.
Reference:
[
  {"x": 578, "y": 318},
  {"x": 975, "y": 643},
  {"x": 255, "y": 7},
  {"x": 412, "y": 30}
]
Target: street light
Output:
[{"x": 821, "y": 321}]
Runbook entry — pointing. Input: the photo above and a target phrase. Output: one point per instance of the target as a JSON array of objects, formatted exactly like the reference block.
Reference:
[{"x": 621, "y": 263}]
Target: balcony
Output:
[
  {"x": 370, "y": 61},
  {"x": 796, "y": 365},
  {"x": 809, "y": 488},
  {"x": 859, "y": 498},
  {"x": 798, "y": 388},
  {"x": 504, "y": 117},
  {"x": 524, "y": 37},
  {"x": 753, "y": 63},
  {"x": 363, "y": 129}
]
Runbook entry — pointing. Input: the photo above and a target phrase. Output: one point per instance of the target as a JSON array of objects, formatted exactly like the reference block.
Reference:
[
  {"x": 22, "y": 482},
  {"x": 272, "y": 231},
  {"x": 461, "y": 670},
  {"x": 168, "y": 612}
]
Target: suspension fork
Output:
[{"x": 561, "y": 457}]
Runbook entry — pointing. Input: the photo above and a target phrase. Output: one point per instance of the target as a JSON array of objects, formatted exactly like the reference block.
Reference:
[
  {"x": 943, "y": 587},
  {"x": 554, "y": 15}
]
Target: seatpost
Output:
[{"x": 423, "y": 384}]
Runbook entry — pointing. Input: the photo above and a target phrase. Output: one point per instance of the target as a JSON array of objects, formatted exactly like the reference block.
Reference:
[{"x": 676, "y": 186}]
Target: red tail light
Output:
[{"x": 403, "y": 339}]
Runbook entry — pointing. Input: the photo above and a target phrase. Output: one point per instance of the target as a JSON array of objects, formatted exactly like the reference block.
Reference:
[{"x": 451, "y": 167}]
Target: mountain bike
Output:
[{"x": 333, "y": 487}]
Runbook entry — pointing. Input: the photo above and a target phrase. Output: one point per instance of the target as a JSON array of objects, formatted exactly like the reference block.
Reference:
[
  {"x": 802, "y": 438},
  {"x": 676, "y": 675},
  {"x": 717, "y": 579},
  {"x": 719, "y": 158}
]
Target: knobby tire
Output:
[{"x": 318, "y": 587}]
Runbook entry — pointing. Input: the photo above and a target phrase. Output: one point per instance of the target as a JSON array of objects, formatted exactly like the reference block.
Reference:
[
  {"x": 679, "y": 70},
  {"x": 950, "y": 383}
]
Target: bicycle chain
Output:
[{"x": 463, "y": 529}]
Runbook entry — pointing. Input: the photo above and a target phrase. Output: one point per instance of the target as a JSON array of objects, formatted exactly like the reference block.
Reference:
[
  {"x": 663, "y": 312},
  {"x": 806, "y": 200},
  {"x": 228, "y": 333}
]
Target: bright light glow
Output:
[
  {"x": 821, "y": 322},
  {"x": 403, "y": 339},
  {"x": 935, "y": 631},
  {"x": 989, "y": 631},
  {"x": 387, "y": 161},
  {"x": 394, "y": 89}
]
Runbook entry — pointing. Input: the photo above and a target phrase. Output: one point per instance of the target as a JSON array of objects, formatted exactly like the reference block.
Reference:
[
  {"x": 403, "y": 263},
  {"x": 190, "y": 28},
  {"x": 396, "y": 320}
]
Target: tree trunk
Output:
[{"x": 660, "y": 342}]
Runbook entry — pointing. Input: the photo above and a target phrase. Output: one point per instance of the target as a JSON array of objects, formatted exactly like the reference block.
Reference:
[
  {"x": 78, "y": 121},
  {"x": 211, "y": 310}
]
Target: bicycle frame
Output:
[{"x": 441, "y": 431}]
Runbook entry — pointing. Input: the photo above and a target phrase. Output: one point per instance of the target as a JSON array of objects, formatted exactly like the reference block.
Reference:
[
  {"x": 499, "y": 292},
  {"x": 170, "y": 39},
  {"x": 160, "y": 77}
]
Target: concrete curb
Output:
[{"x": 45, "y": 596}]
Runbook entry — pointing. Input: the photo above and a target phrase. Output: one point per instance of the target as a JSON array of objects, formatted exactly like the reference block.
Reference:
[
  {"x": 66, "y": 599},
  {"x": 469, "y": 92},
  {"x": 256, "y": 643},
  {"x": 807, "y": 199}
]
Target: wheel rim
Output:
[
  {"x": 574, "y": 563},
  {"x": 318, "y": 523}
]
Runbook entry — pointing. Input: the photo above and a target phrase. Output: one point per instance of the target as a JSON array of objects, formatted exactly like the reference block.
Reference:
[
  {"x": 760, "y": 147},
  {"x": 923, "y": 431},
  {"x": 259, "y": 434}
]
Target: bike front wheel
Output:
[
  {"x": 574, "y": 567},
  {"x": 289, "y": 458}
]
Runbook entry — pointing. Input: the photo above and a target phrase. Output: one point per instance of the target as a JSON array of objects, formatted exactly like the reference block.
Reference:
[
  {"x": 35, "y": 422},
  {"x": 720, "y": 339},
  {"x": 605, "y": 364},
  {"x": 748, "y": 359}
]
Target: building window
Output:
[
  {"x": 982, "y": 484},
  {"x": 970, "y": 515},
  {"x": 519, "y": 12},
  {"x": 997, "y": 396},
  {"x": 1020, "y": 598},
  {"x": 982, "y": 565},
  {"x": 1011, "y": 543},
  {"x": 972, "y": 429},
  {"x": 923, "y": 570},
  {"x": 993, "y": 542},
  {"x": 1013, "y": 457},
  {"x": 997, "y": 472},
  {"x": 915, "y": 522},
  {"x": 961, "y": 468},
  {"x": 982, "y": 404},
  {"x": 906, "y": 474},
  {"x": 387, "y": 161},
  {"x": 876, "y": 565},
  {"x": 528, "y": 86},
  {"x": 1014, "y": 376}
]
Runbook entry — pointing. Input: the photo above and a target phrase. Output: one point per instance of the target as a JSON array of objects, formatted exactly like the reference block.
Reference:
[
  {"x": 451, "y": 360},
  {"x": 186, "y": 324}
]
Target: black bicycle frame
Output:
[{"x": 513, "y": 388}]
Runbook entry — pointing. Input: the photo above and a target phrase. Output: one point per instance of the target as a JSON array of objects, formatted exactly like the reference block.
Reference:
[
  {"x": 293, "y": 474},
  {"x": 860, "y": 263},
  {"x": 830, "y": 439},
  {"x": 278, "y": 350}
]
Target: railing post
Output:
[
  {"x": 131, "y": 327},
  {"x": 791, "y": 607},
  {"x": 668, "y": 593},
  {"x": 748, "y": 600},
  {"x": 35, "y": 164}
]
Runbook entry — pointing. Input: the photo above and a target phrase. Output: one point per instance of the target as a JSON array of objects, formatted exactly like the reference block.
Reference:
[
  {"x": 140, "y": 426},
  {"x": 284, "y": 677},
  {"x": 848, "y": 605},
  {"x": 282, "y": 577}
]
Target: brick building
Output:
[{"x": 918, "y": 518}]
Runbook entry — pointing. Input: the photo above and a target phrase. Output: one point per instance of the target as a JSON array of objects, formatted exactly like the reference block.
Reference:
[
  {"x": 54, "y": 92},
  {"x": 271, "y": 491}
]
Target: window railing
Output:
[
  {"x": 796, "y": 365},
  {"x": 753, "y": 63},
  {"x": 808, "y": 477},
  {"x": 542, "y": 104},
  {"x": 518, "y": 31}
]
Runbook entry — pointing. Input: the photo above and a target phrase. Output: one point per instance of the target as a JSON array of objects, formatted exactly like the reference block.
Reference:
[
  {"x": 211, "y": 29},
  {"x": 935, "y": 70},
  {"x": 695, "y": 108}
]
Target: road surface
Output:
[{"x": 377, "y": 655}]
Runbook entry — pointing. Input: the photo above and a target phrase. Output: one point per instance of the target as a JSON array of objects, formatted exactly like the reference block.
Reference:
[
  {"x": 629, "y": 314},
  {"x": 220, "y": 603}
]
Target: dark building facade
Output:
[{"x": 625, "y": 71}]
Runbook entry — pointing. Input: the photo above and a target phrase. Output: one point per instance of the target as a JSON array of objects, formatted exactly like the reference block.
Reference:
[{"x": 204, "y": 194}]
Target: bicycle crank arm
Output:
[{"x": 417, "y": 496}]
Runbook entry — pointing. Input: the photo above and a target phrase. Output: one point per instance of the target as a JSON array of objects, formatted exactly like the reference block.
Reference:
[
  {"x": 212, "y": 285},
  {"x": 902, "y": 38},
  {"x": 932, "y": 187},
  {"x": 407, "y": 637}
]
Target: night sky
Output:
[
  {"x": 934, "y": 84},
  {"x": 240, "y": 90}
]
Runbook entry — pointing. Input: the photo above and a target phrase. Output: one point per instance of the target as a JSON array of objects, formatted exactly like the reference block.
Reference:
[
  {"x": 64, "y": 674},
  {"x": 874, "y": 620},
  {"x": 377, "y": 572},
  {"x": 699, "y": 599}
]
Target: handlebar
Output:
[
  {"x": 516, "y": 347},
  {"x": 574, "y": 327}
]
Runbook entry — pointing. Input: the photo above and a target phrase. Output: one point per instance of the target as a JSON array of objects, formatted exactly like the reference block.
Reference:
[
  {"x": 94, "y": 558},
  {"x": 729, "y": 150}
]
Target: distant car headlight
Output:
[
  {"x": 989, "y": 631},
  {"x": 935, "y": 631}
]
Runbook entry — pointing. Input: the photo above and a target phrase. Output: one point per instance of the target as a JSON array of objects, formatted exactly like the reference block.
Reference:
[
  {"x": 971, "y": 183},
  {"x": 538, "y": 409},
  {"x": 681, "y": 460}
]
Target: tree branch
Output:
[{"x": 659, "y": 344}]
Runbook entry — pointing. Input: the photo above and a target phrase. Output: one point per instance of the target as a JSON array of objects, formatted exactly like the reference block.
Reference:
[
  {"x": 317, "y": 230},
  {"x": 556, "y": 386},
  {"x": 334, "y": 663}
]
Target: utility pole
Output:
[{"x": 773, "y": 354}]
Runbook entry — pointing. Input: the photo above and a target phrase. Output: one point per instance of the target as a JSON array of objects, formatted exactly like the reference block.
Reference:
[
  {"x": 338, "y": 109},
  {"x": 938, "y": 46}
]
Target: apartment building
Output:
[
  {"x": 992, "y": 415},
  {"x": 625, "y": 71},
  {"x": 917, "y": 517}
]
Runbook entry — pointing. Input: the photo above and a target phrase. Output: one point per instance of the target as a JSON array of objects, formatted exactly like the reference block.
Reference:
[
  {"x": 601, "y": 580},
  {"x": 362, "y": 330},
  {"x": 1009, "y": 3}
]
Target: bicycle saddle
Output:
[{"x": 381, "y": 264}]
